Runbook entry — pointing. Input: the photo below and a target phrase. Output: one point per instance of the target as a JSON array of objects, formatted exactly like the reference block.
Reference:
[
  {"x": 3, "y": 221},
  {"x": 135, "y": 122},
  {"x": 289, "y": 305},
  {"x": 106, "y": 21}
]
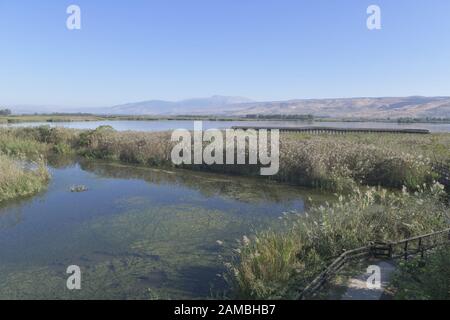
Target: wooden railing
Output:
[
  {"x": 443, "y": 170},
  {"x": 383, "y": 250}
]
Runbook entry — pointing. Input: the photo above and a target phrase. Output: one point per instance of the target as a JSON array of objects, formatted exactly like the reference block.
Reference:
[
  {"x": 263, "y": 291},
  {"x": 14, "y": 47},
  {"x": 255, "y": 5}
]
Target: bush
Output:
[
  {"x": 131, "y": 147},
  {"x": 278, "y": 264},
  {"x": 17, "y": 146},
  {"x": 427, "y": 279},
  {"x": 21, "y": 179},
  {"x": 62, "y": 148}
]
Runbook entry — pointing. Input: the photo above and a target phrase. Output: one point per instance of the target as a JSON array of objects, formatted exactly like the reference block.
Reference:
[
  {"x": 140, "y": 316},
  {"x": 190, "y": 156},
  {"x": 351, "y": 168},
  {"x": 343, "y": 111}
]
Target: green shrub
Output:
[
  {"x": 62, "y": 148},
  {"x": 21, "y": 146},
  {"x": 424, "y": 279},
  {"x": 266, "y": 267},
  {"x": 16, "y": 180}
]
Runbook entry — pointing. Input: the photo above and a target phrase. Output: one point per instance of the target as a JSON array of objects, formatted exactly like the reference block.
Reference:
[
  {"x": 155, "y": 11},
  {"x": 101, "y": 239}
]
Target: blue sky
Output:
[{"x": 136, "y": 50}]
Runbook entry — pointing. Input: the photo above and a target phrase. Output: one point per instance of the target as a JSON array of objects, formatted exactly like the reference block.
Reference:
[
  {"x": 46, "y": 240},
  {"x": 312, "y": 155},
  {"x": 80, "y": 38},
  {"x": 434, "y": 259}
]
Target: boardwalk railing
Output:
[
  {"x": 385, "y": 250},
  {"x": 333, "y": 130}
]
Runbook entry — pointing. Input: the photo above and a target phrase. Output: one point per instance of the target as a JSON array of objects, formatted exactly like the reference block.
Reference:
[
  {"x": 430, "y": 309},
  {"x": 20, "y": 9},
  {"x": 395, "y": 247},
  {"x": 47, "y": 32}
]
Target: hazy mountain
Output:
[
  {"x": 212, "y": 104},
  {"x": 392, "y": 107},
  {"x": 198, "y": 105}
]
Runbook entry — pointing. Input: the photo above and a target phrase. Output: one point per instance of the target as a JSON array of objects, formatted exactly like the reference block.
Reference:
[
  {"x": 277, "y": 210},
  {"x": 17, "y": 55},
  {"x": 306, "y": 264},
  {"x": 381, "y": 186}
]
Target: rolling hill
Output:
[
  {"x": 389, "y": 107},
  {"x": 368, "y": 108}
]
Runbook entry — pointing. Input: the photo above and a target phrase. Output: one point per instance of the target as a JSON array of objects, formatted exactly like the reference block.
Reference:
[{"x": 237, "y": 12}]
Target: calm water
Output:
[
  {"x": 174, "y": 124},
  {"x": 137, "y": 233}
]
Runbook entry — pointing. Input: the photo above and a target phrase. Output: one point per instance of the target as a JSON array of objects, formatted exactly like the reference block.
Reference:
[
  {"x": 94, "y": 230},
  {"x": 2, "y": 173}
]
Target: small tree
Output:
[{"x": 5, "y": 112}]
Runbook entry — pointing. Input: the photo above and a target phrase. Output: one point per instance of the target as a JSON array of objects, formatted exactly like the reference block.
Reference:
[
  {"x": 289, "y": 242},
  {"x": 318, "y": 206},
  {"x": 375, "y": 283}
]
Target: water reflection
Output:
[
  {"x": 164, "y": 125},
  {"x": 138, "y": 233},
  {"x": 209, "y": 185}
]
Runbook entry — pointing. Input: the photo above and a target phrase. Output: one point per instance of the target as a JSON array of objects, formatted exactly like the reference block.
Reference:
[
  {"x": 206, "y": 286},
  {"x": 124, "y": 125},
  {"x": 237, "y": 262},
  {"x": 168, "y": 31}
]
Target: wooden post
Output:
[
  {"x": 420, "y": 249},
  {"x": 406, "y": 250}
]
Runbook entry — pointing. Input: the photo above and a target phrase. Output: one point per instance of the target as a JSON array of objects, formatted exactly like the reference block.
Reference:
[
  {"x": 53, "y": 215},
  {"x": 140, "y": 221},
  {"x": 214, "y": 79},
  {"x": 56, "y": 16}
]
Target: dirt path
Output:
[{"x": 357, "y": 288}]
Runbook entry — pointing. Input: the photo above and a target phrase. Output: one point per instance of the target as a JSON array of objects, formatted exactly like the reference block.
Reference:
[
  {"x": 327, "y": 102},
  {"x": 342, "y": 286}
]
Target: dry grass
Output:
[{"x": 19, "y": 179}]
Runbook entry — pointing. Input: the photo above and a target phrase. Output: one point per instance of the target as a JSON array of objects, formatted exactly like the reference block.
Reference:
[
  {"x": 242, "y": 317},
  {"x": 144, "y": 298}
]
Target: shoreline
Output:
[{"x": 56, "y": 118}]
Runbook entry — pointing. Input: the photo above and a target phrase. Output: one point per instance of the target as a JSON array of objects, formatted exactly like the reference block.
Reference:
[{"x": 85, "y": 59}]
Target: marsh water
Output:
[
  {"x": 136, "y": 233},
  {"x": 163, "y": 125}
]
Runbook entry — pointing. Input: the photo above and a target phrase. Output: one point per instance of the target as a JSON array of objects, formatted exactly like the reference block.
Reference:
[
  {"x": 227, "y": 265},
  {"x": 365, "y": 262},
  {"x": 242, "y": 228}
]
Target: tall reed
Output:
[
  {"x": 19, "y": 179},
  {"x": 273, "y": 265}
]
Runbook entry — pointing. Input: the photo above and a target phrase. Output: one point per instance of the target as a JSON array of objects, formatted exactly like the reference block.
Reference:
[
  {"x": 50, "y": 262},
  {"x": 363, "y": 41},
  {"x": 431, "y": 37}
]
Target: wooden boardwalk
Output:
[
  {"x": 387, "y": 251},
  {"x": 357, "y": 286},
  {"x": 333, "y": 130}
]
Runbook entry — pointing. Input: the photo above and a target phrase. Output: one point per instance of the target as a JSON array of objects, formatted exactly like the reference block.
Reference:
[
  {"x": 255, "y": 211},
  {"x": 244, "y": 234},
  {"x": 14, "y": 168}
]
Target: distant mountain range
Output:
[
  {"x": 387, "y": 107},
  {"x": 415, "y": 107},
  {"x": 211, "y": 105}
]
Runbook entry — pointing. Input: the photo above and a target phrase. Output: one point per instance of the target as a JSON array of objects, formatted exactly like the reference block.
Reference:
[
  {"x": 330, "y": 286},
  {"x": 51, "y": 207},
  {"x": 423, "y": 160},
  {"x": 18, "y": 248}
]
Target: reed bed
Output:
[
  {"x": 22, "y": 166},
  {"x": 19, "y": 179},
  {"x": 277, "y": 265},
  {"x": 324, "y": 161}
]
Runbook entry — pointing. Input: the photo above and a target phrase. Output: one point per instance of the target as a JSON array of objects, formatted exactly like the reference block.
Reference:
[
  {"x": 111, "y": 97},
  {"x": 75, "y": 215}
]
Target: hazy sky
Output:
[{"x": 135, "y": 50}]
